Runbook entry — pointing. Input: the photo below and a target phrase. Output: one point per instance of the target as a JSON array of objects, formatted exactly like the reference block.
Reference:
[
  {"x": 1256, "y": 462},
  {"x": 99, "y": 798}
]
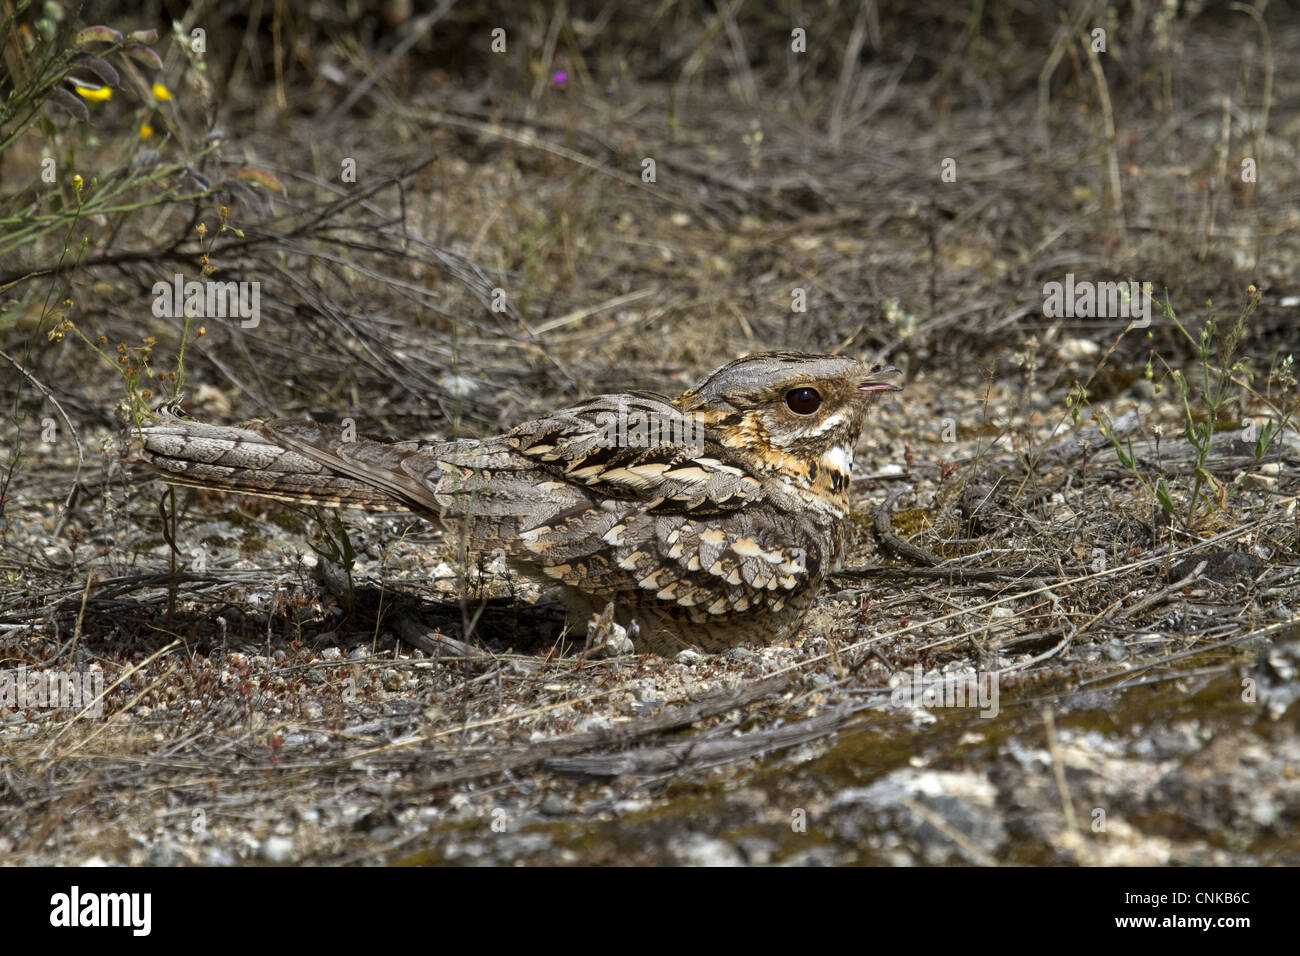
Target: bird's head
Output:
[{"x": 791, "y": 415}]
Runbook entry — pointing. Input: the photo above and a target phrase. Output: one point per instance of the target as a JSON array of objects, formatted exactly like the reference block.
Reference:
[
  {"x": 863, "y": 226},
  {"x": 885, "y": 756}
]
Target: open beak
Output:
[{"x": 871, "y": 385}]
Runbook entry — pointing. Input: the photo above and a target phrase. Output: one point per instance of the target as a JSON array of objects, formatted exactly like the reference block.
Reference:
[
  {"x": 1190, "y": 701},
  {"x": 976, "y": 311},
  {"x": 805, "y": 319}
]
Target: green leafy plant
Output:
[
  {"x": 1203, "y": 405},
  {"x": 333, "y": 544}
]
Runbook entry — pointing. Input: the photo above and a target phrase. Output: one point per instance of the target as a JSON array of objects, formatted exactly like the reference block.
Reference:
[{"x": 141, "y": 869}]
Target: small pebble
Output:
[{"x": 276, "y": 849}]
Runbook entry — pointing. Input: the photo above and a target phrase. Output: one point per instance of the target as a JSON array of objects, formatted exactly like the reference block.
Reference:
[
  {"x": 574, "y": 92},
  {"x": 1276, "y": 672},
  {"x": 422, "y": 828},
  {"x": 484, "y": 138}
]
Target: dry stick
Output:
[
  {"x": 1153, "y": 599},
  {"x": 972, "y": 849},
  {"x": 558, "y": 17},
  {"x": 113, "y": 587},
  {"x": 667, "y": 762},
  {"x": 1133, "y": 670},
  {"x": 1259, "y": 137},
  {"x": 85, "y": 596},
  {"x": 1058, "y": 771},
  {"x": 883, "y": 527},
  {"x": 1084, "y": 627},
  {"x": 697, "y": 59},
  {"x": 1045, "y": 74},
  {"x": 1112, "y": 154},
  {"x": 109, "y": 722},
  {"x": 67, "y": 724},
  {"x": 1268, "y": 58},
  {"x": 1285, "y": 418},
  {"x": 1064, "y": 642},
  {"x": 848, "y": 66},
  {"x": 1225, "y": 137},
  {"x": 578, "y": 314},
  {"x": 743, "y": 70},
  {"x": 971, "y": 575},
  {"x": 418, "y": 28},
  {"x": 1066, "y": 639},
  {"x": 76, "y": 475},
  {"x": 412, "y": 632}
]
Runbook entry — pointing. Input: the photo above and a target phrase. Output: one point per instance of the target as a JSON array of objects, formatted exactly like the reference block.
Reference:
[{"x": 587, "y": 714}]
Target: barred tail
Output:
[
  {"x": 244, "y": 461},
  {"x": 309, "y": 463}
]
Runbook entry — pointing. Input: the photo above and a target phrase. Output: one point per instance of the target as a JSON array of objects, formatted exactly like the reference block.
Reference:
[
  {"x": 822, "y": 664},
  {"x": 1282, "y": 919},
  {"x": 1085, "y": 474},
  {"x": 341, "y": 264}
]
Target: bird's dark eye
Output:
[{"x": 803, "y": 401}]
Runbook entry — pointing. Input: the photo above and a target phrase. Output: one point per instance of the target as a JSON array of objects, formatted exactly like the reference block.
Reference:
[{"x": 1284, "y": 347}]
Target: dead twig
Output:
[
  {"x": 1160, "y": 596},
  {"x": 76, "y": 439}
]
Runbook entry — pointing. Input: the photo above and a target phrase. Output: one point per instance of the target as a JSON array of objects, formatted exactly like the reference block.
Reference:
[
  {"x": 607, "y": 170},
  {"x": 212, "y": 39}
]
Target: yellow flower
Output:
[
  {"x": 145, "y": 130},
  {"x": 161, "y": 93},
  {"x": 95, "y": 96}
]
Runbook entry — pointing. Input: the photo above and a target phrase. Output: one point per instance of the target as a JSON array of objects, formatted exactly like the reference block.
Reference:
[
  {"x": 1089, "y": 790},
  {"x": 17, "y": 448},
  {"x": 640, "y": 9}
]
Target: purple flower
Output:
[{"x": 559, "y": 77}]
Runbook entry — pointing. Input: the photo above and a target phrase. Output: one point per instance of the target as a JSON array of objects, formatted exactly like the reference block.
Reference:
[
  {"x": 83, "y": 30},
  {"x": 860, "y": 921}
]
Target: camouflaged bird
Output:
[{"x": 708, "y": 520}]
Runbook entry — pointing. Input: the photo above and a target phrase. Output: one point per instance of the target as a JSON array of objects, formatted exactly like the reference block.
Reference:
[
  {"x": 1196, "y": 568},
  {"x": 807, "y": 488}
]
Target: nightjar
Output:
[{"x": 708, "y": 520}]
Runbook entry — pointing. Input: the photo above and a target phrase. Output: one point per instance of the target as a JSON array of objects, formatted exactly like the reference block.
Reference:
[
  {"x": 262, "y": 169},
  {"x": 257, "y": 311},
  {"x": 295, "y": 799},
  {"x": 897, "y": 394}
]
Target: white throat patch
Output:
[{"x": 839, "y": 458}]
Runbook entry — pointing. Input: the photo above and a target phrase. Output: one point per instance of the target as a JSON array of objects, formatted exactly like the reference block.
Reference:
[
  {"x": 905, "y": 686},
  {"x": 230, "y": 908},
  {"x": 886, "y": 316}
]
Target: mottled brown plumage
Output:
[{"x": 709, "y": 520}]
